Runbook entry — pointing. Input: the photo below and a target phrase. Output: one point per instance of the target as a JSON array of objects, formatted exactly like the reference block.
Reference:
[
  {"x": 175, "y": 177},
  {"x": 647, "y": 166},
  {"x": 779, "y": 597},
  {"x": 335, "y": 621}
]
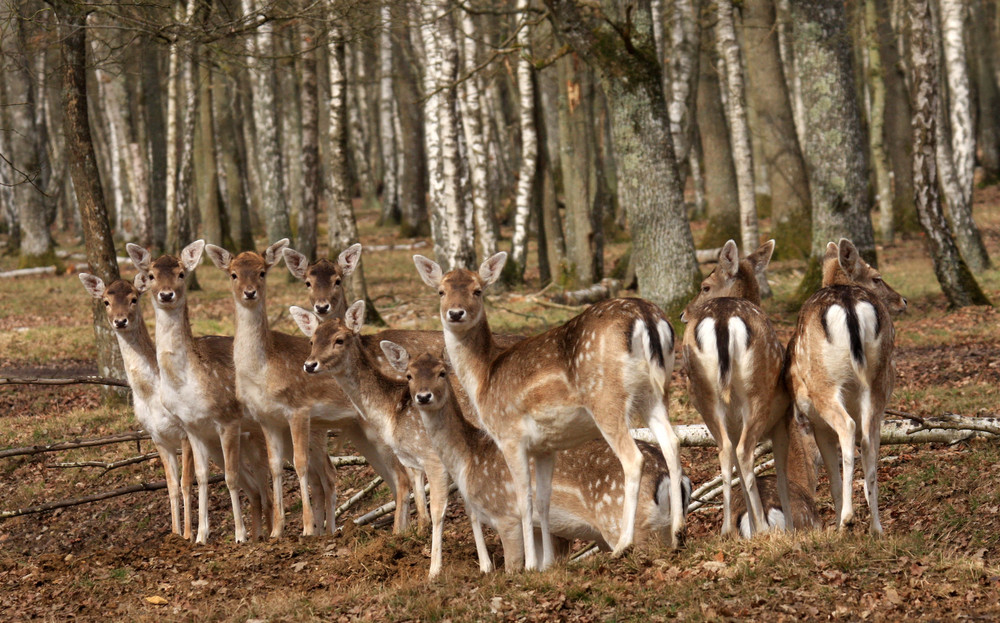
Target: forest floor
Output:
[{"x": 115, "y": 559}]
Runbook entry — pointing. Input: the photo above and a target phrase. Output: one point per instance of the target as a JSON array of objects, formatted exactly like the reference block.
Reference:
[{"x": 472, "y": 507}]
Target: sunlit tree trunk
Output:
[
  {"x": 956, "y": 280},
  {"x": 876, "y": 142},
  {"x": 529, "y": 147},
  {"x": 312, "y": 183},
  {"x": 206, "y": 171},
  {"x": 986, "y": 61},
  {"x": 387, "y": 120}
]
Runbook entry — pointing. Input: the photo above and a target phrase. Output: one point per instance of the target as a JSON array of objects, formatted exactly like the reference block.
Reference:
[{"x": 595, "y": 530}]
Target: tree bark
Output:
[
  {"x": 834, "y": 149},
  {"x": 529, "y": 148},
  {"x": 158, "y": 146},
  {"x": 986, "y": 61},
  {"x": 410, "y": 141},
  {"x": 231, "y": 162},
  {"x": 768, "y": 93},
  {"x": 957, "y": 282},
  {"x": 721, "y": 199},
  {"x": 86, "y": 178},
  {"x": 387, "y": 113},
  {"x": 312, "y": 181},
  {"x": 206, "y": 172},
  {"x": 876, "y": 131},
  {"x": 648, "y": 181}
]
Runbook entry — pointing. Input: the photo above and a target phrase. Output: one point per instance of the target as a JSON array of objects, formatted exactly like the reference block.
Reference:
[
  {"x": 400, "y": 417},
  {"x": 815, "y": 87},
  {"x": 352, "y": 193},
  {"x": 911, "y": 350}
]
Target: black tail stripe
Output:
[
  {"x": 854, "y": 331},
  {"x": 722, "y": 344}
]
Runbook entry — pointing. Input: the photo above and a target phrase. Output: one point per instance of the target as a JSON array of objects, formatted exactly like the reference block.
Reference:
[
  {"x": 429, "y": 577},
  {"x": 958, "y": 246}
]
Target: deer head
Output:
[
  {"x": 427, "y": 375},
  {"x": 461, "y": 290},
  {"x": 166, "y": 276},
  {"x": 843, "y": 265},
  {"x": 324, "y": 279},
  {"x": 121, "y": 299},
  {"x": 734, "y": 277},
  {"x": 247, "y": 271},
  {"x": 334, "y": 344}
]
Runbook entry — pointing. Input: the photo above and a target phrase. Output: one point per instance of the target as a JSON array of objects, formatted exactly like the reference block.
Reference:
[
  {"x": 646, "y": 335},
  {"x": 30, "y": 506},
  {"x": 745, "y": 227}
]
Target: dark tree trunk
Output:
[
  {"x": 985, "y": 58},
  {"x": 87, "y": 178},
  {"x": 835, "y": 150},
  {"x": 312, "y": 183},
  {"x": 411, "y": 150},
  {"x": 956, "y": 279},
  {"x": 768, "y": 93},
  {"x": 648, "y": 180},
  {"x": 157, "y": 131}
]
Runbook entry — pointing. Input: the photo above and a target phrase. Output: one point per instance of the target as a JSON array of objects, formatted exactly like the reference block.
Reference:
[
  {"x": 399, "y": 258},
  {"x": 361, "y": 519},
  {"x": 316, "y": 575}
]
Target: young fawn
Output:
[
  {"x": 734, "y": 361},
  {"x": 121, "y": 303},
  {"x": 588, "y": 484},
  {"x": 197, "y": 386},
  {"x": 802, "y": 457},
  {"x": 338, "y": 349},
  {"x": 841, "y": 372},
  {"x": 289, "y": 405},
  {"x": 561, "y": 388}
]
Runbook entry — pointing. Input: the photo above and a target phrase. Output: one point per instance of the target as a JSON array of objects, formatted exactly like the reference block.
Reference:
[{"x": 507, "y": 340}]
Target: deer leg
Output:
[
  {"x": 670, "y": 446},
  {"x": 826, "y": 441},
  {"x": 437, "y": 477},
  {"x": 417, "y": 481},
  {"x": 300, "y": 454},
  {"x": 170, "y": 471},
  {"x": 230, "y": 435},
  {"x": 200, "y": 453},
  {"x": 870, "y": 440},
  {"x": 274, "y": 439},
  {"x": 846, "y": 434},
  {"x": 744, "y": 458},
  {"x": 520, "y": 471},
  {"x": 330, "y": 493},
  {"x": 726, "y": 465},
  {"x": 512, "y": 540},
  {"x": 545, "y": 465},
  {"x": 401, "y": 520},
  {"x": 485, "y": 562},
  {"x": 779, "y": 445},
  {"x": 187, "y": 476}
]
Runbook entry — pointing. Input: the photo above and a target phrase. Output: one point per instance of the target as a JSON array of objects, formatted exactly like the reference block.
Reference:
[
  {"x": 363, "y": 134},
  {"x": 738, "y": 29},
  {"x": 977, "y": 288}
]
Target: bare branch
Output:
[{"x": 69, "y": 445}]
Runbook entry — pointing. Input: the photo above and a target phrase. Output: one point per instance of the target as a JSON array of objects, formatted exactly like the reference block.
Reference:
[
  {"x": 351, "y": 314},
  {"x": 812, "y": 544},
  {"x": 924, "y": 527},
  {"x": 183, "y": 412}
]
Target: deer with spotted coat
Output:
[
  {"x": 121, "y": 304},
  {"x": 197, "y": 386},
  {"x": 588, "y": 483},
  {"x": 734, "y": 361},
  {"x": 841, "y": 372},
  {"x": 557, "y": 390}
]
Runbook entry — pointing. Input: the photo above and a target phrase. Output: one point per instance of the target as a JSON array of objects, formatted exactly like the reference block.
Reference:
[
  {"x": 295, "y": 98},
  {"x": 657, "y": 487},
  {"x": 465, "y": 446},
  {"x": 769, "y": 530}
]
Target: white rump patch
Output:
[{"x": 775, "y": 521}]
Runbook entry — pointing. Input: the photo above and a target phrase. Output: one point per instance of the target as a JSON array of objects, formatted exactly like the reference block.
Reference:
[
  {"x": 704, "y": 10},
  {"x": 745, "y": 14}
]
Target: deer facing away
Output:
[
  {"x": 562, "y": 388},
  {"x": 734, "y": 361},
  {"x": 841, "y": 372},
  {"x": 588, "y": 483}
]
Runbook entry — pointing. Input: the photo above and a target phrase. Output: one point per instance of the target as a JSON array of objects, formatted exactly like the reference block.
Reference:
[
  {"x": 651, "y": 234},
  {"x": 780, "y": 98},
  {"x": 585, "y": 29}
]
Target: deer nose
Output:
[
  {"x": 166, "y": 296},
  {"x": 121, "y": 323},
  {"x": 311, "y": 367},
  {"x": 321, "y": 309},
  {"x": 456, "y": 315},
  {"x": 424, "y": 398},
  {"x": 249, "y": 294}
]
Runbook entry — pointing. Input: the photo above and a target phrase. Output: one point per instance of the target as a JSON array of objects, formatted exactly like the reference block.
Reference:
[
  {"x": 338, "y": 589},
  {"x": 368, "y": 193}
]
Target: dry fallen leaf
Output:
[{"x": 156, "y": 600}]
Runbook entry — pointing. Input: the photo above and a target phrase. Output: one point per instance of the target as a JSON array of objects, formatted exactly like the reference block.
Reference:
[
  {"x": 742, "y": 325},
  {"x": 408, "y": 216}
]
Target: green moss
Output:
[
  {"x": 48, "y": 258},
  {"x": 718, "y": 230}
]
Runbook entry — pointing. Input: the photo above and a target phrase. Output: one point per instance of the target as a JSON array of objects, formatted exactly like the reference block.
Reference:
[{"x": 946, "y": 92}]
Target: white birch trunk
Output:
[
  {"x": 739, "y": 129},
  {"x": 682, "y": 68},
  {"x": 529, "y": 146},
  {"x": 386, "y": 120},
  {"x": 963, "y": 135},
  {"x": 792, "y": 77},
  {"x": 173, "y": 93},
  {"x": 430, "y": 51},
  {"x": 470, "y": 102}
]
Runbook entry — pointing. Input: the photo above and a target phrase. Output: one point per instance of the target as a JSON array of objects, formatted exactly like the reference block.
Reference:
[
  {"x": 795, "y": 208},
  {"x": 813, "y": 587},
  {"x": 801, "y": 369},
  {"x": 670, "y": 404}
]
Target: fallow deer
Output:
[
  {"x": 802, "y": 458},
  {"x": 324, "y": 279},
  {"x": 197, "y": 386},
  {"x": 278, "y": 394},
  {"x": 588, "y": 483},
  {"x": 561, "y": 388},
  {"x": 121, "y": 303},
  {"x": 734, "y": 361},
  {"x": 338, "y": 349},
  {"x": 841, "y": 372}
]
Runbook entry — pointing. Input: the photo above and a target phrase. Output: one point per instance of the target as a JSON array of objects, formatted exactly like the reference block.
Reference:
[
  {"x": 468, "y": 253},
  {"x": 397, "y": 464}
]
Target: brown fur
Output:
[
  {"x": 841, "y": 372},
  {"x": 734, "y": 362}
]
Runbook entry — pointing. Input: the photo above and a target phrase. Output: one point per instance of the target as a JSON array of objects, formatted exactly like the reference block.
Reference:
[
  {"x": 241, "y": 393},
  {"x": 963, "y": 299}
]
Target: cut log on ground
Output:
[
  {"x": 72, "y": 380},
  {"x": 28, "y": 272},
  {"x": 604, "y": 289}
]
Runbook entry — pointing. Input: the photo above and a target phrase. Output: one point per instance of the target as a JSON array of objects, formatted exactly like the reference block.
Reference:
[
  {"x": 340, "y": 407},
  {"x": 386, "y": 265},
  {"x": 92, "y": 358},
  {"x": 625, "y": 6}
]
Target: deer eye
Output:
[
  {"x": 443, "y": 374},
  {"x": 339, "y": 340},
  {"x": 877, "y": 280},
  {"x": 440, "y": 292},
  {"x": 107, "y": 303},
  {"x": 309, "y": 284},
  {"x": 180, "y": 275},
  {"x": 477, "y": 292},
  {"x": 134, "y": 300},
  {"x": 705, "y": 288},
  {"x": 233, "y": 275},
  {"x": 409, "y": 377},
  {"x": 263, "y": 274},
  {"x": 337, "y": 282},
  {"x": 152, "y": 277}
]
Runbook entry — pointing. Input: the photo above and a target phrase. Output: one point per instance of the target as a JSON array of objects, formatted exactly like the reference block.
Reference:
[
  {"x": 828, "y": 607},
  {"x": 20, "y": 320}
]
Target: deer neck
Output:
[
  {"x": 471, "y": 354},
  {"x": 139, "y": 357},
  {"x": 174, "y": 344},
  {"x": 456, "y": 441},
  {"x": 252, "y": 338},
  {"x": 373, "y": 393}
]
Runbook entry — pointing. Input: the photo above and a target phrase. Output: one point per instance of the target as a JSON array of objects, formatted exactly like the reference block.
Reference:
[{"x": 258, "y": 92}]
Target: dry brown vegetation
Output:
[{"x": 116, "y": 560}]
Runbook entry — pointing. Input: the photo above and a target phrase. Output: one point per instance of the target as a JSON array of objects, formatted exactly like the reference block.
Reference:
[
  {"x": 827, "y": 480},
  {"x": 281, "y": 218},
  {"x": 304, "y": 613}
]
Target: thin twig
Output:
[
  {"x": 72, "y": 380},
  {"x": 904, "y": 414},
  {"x": 69, "y": 445},
  {"x": 107, "y": 466},
  {"x": 357, "y": 497}
]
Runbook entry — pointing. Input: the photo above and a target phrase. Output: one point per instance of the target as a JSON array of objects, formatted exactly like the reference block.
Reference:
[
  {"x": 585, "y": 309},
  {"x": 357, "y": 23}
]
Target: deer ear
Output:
[
  {"x": 396, "y": 354},
  {"x": 93, "y": 284},
  {"x": 429, "y": 270},
  {"x": 141, "y": 282},
  {"x": 832, "y": 251},
  {"x": 849, "y": 258},
  {"x": 273, "y": 253},
  {"x": 354, "y": 318},
  {"x": 297, "y": 263},
  {"x": 760, "y": 258},
  {"x": 349, "y": 258},
  {"x": 219, "y": 256},
  {"x": 307, "y": 321},
  {"x": 729, "y": 258},
  {"x": 490, "y": 270},
  {"x": 140, "y": 256},
  {"x": 191, "y": 255}
]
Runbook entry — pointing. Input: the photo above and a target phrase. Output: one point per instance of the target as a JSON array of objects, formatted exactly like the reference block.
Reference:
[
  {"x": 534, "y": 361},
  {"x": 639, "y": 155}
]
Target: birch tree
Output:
[
  {"x": 312, "y": 183},
  {"x": 648, "y": 180},
  {"x": 529, "y": 146},
  {"x": 876, "y": 140},
  {"x": 387, "y": 121},
  {"x": 957, "y": 282},
  {"x": 961, "y": 158},
  {"x": 721, "y": 196}
]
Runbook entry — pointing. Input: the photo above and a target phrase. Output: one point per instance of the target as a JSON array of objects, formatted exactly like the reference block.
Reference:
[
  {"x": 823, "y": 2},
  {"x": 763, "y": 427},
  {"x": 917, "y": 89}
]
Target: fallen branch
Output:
[
  {"x": 28, "y": 272},
  {"x": 604, "y": 289},
  {"x": 97, "y": 497},
  {"x": 389, "y": 507},
  {"x": 343, "y": 461},
  {"x": 904, "y": 414},
  {"x": 357, "y": 497},
  {"x": 69, "y": 445},
  {"x": 72, "y": 380},
  {"x": 106, "y": 465},
  {"x": 419, "y": 244},
  {"x": 761, "y": 450},
  {"x": 707, "y": 256},
  {"x": 714, "y": 493}
]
